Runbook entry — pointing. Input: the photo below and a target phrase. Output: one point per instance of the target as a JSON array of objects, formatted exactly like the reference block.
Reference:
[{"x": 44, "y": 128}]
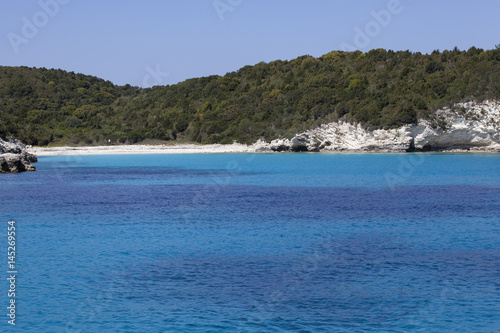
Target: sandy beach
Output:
[
  {"x": 146, "y": 149},
  {"x": 207, "y": 149}
]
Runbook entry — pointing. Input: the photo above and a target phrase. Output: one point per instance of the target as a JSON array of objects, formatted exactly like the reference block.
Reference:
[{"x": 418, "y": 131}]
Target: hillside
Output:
[{"x": 379, "y": 89}]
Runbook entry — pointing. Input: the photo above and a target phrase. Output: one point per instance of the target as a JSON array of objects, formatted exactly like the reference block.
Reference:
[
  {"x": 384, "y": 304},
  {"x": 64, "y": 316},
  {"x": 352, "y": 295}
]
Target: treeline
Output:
[{"x": 380, "y": 89}]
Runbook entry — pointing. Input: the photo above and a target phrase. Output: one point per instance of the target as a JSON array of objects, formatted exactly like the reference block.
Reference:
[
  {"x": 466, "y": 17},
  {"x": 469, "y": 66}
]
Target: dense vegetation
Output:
[{"x": 380, "y": 89}]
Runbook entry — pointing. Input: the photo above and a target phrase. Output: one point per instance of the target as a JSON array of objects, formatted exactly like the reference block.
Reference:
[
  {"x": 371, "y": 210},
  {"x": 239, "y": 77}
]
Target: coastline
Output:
[
  {"x": 234, "y": 148},
  {"x": 144, "y": 149},
  {"x": 467, "y": 127}
]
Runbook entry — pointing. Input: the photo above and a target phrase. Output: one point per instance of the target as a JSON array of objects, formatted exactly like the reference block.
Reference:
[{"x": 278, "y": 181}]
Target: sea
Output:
[{"x": 303, "y": 242}]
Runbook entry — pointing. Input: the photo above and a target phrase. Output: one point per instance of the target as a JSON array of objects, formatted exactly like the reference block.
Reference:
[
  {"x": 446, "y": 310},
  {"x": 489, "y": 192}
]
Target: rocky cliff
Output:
[
  {"x": 14, "y": 157},
  {"x": 467, "y": 126}
]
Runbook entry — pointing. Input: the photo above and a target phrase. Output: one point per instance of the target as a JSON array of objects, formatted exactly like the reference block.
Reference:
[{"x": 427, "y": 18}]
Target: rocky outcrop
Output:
[
  {"x": 14, "y": 157},
  {"x": 466, "y": 126},
  {"x": 470, "y": 125},
  {"x": 280, "y": 145}
]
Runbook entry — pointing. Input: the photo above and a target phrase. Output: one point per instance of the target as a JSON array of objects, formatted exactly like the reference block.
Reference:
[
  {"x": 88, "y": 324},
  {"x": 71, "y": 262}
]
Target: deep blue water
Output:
[{"x": 256, "y": 243}]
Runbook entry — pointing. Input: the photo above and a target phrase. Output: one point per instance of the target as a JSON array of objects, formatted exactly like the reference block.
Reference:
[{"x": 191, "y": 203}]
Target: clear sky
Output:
[{"x": 151, "y": 42}]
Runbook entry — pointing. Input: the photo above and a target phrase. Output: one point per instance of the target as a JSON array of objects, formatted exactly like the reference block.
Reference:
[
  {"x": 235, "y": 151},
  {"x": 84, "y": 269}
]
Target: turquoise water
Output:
[{"x": 256, "y": 243}]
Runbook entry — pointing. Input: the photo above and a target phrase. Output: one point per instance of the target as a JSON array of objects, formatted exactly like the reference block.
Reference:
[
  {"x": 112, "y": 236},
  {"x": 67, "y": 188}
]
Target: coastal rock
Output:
[
  {"x": 344, "y": 136},
  {"x": 280, "y": 145},
  {"x": 260, "y": 146},
  {"x": 14, "y": 157},
  {"x": 469, "y": 125},
  {"x": 305, "y": 142},
  {"x": 465, "y": 126}
]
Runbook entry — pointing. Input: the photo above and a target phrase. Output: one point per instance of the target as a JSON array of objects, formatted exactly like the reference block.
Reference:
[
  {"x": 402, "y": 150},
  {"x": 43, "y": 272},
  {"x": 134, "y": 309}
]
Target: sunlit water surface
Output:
[{"x": 256, "y": 243}]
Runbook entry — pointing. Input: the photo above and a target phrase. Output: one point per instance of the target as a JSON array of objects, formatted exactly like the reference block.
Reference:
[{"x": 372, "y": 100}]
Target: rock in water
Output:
[{"x": 14, "y": 157}]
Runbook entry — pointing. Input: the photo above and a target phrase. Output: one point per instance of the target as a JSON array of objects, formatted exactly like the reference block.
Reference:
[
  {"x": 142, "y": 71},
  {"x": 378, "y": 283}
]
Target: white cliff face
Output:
[
  {"x": 467, "y": 125},
  {"x": 346, "y": 136},
  {"x": 471, "y": 126}
]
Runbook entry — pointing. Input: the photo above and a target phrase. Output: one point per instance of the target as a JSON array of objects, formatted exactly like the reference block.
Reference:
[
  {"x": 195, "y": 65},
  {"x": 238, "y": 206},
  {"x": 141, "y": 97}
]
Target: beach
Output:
[
  {"x": 145, "y": 149},
  {"x": 234, "y": 148}
]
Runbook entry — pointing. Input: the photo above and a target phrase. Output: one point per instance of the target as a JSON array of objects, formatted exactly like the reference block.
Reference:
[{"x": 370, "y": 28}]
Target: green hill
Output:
[{"x": 380, "y": 89}]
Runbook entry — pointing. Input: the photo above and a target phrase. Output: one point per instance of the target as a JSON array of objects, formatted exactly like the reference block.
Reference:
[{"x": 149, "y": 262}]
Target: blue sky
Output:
[{"x": 153, "y": 42}]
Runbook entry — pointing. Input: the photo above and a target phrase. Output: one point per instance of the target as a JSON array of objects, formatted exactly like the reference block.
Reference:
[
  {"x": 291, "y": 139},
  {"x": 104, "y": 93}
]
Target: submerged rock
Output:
[{"x": 15, "y": 158}]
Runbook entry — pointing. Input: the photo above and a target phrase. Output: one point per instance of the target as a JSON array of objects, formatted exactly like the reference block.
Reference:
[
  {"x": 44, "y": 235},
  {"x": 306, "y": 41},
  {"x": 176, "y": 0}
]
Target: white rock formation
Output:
[
  {"x": 280, "y": 145},
  {"x": 466, "y": 126}
]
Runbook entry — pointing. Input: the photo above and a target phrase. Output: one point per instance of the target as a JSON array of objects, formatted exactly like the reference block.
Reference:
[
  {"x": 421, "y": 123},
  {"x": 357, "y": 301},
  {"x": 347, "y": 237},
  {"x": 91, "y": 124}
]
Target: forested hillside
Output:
[{"x": 380, "y": 89}]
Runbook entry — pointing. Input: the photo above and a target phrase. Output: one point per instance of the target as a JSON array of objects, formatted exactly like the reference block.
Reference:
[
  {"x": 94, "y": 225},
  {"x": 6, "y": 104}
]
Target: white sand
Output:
[
  {"x": 145, "y": 149},
  {"x": 193, "y": 149}
]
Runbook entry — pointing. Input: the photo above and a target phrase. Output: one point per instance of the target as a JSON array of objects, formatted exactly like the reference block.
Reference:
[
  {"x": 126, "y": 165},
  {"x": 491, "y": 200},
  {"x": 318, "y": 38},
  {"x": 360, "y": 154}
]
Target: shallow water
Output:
[{"x": 257, "y": 243}]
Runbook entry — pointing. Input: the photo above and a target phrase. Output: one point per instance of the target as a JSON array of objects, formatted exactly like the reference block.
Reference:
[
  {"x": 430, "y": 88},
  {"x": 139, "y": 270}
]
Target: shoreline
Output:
[
  {"x": 234, "y": 148},
  {"x": 475, "y": 134},
  {"x": 143, "y": 149}
]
